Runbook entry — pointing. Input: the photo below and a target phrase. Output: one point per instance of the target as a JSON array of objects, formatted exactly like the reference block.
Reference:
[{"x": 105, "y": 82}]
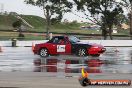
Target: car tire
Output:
[
  {"x": 81, "y": 52},
  {"x": 44, "y": 52}
]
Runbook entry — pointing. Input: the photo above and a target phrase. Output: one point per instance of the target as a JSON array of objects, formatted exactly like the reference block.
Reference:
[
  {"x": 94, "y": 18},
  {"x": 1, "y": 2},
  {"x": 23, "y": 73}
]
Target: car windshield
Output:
[{"x": 73, "y": 39}]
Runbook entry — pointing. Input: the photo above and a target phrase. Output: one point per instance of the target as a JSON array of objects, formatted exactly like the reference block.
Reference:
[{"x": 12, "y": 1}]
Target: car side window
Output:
[
  {"x": 56, "y": 40},
  {"x": 59, "y": 41},
  {"x": 62, "y": 41}
]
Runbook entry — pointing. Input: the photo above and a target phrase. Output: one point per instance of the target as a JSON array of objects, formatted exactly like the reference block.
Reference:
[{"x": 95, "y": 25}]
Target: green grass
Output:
[
  {"x": 28, "y": 36},
  {"x": 6, "y": 22},
  {"x": 32, "y": 37},
  {"x": 35, "y": 21},
  {"x": 40, "y": 26}
]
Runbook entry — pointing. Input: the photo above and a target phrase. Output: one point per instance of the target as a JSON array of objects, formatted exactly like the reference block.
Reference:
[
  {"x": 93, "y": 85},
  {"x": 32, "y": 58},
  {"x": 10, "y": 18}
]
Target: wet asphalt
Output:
[
  {"x": 22, "y": 59},
  {"x": 20, "y": 68}
]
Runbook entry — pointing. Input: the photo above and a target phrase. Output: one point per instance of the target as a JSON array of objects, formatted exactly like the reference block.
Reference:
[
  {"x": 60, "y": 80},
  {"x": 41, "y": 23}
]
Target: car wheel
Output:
[
  {"x": 95, "y": 55},
  {"x": 43, "y": 52},
  {"x": 81, "y": 52}
]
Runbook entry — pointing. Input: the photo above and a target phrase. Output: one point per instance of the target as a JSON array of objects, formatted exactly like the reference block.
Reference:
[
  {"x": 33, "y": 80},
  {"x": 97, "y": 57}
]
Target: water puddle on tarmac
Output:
[{"x": 114, "y": 60}]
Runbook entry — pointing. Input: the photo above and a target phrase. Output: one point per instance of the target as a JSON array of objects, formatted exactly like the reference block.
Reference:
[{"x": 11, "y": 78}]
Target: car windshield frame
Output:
[{"x": 73, "y": 39}]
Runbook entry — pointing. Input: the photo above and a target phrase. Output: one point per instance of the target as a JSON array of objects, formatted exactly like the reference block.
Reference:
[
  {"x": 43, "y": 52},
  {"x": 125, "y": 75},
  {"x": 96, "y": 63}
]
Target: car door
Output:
[
  {"x": 63, "y": 47},
  {"x": 52, "y": 46}
]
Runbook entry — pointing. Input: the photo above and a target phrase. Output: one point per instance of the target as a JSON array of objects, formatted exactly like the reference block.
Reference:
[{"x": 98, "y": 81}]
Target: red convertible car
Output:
[{"x": 69, "y": 45}]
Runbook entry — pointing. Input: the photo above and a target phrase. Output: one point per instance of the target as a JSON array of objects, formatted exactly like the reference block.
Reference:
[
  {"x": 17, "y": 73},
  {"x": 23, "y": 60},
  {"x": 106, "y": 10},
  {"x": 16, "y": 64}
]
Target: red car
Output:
[{"x": 67, "y": 45}]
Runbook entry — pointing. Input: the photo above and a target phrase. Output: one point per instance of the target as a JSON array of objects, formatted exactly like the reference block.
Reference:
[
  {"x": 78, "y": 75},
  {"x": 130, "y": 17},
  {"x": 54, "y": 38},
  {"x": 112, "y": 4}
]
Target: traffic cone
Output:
[
  {"x": 33, "y": 46},
  {"x": 84, "y": 73},
  {"x": 0, "y": 49}
]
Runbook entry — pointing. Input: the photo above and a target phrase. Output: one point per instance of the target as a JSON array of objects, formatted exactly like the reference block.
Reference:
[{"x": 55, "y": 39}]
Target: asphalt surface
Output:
[
  {"x": 19, "y": 71},
  {"x": 19, "y": 59},
  {"x": 44, "y": 80}
]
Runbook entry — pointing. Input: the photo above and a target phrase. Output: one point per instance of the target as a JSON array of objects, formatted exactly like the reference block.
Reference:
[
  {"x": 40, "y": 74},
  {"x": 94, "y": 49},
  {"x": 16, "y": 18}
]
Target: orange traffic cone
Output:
[
  {"x": 33, "y": 46},
  {"x": 0, "y": 49},
  {"x": 84, "y": 73}
]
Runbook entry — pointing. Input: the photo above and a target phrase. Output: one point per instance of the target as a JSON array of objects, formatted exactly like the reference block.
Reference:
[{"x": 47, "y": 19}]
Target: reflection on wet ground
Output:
[
  {"x": 67, "y": 65},
  {"x": 114, "y": 60}
]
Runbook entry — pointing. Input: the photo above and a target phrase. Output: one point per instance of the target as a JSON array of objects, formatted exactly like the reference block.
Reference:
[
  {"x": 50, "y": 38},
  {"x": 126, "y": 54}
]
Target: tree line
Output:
[{"x": 106, "y": 13}]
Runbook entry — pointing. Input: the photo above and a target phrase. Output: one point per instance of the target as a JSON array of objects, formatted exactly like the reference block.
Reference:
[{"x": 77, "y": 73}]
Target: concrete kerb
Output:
[{"x": 106, "y": 43}]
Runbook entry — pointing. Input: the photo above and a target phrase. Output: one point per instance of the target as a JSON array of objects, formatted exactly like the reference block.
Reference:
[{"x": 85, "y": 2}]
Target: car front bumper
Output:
[
  {"x": 96, "y": 50},
  {"x": 35, "y": 51}
]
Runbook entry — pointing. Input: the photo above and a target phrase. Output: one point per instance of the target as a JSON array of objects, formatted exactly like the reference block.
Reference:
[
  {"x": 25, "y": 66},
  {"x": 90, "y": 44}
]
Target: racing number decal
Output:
[{"x": 61, "y": 48}]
